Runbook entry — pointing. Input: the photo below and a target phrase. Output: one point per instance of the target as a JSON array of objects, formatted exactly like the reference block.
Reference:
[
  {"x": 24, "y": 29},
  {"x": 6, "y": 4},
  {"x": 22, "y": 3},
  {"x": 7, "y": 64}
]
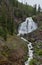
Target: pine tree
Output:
[
  {"x": 4, "y": 20},
  {"x": 34, "y": 9},
  {"x": 39, "y": 8}
]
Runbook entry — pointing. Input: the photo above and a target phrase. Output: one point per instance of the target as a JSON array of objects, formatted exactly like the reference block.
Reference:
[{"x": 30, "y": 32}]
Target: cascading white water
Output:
[
  {"x": 30, "y": 51},
  {"x": 27, "y": 27}
]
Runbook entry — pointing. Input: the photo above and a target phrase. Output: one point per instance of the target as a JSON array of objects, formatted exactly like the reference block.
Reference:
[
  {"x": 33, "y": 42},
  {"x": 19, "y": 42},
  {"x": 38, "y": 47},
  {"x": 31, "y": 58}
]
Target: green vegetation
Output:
[
  {"x": 6, "y": 20},
  {"x": 11, "y": 9},
  {"x": 38, "y": 52},
  {"x": 33, "y": 62},
  {"x": 13, "y": 49},
  {"x": 37, "y": 48},
  {"x": 37, "y": 59}
]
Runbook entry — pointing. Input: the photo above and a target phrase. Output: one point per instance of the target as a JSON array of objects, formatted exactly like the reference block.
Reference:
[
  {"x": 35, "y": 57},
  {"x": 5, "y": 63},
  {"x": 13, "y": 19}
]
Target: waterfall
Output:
[{"x": 27, "y": 26}]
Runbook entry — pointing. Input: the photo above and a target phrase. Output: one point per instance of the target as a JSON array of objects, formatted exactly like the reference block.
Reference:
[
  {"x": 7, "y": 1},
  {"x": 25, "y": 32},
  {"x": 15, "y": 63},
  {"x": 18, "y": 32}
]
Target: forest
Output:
[{"x": 12, "y": 10}]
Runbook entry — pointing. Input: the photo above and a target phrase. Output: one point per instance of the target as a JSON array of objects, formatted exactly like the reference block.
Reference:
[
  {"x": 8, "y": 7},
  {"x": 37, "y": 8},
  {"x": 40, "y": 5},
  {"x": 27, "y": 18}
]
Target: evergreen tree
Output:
[
  {"x": 34, "y": 9},
  {"x": 4, "y": 20},
  {"x": 39, "y": 8},
  {"x": 12, "y": 23}
]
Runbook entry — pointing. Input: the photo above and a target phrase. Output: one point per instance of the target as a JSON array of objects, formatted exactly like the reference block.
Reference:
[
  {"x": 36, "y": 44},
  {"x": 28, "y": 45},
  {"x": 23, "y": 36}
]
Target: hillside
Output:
[
  {"x": 13, "y": 51},
  {"x": 11, "y": 15}
]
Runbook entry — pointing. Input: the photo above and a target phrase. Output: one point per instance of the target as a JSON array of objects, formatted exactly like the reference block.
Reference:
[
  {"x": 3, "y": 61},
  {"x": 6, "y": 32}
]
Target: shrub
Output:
[{"x": 33, "y": 62}]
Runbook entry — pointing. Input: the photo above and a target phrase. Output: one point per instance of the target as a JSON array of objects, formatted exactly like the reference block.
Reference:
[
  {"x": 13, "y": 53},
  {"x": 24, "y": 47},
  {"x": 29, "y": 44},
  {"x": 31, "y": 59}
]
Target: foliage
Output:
[
  {"x": 40, "y": 52},
  {"x": 33, "y": 62},
  {"x": 39, "y": 8},
  {"x": 6, "y": 19},
  {"x": 34, "y": 10},
  {"x": 11, "y": 9}
]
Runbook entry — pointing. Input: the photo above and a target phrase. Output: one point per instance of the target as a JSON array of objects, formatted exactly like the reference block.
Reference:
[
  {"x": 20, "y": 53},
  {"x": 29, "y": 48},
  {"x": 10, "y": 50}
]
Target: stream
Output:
[
  {"x": 26, "y": 27},
  {"x": 30, "y": 53},
  {"x": 30, "y": 48}
]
